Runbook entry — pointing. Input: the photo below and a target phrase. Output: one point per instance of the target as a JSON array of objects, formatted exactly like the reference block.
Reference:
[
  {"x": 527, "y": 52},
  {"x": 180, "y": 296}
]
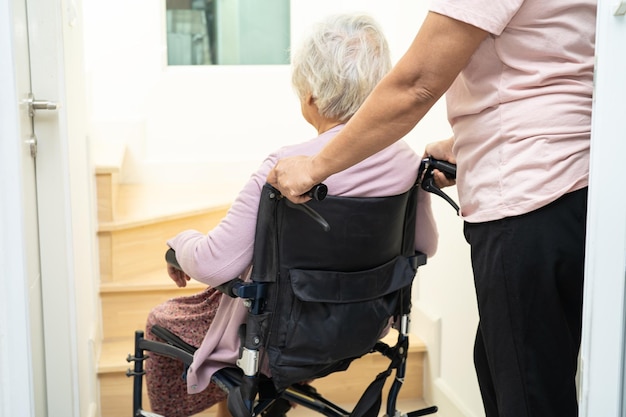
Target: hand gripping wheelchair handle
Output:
[{"x": 426, "y": 177}]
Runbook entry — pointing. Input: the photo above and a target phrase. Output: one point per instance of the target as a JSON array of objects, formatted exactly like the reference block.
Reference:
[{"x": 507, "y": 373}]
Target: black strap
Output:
[{"x": 371, "y": 400}]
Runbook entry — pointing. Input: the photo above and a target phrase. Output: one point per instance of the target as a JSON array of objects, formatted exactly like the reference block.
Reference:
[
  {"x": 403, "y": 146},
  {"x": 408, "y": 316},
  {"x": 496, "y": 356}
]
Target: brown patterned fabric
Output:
[{"x": 190, "y": 318}]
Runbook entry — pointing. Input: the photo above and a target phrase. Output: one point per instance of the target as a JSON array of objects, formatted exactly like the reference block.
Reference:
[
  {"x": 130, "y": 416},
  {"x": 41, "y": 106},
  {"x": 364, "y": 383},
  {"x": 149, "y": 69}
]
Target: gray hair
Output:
[{"x": 340, "y": 63}]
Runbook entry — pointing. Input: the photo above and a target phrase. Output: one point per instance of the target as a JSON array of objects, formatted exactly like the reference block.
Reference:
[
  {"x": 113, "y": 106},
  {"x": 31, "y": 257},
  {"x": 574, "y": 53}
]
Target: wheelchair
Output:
[{"x": 327, "y": 278}]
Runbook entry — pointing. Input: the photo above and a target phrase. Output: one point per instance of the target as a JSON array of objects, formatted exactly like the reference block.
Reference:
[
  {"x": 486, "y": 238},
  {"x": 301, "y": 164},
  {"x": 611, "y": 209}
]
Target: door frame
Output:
[
  {"x": 67, "y": 213},
  {"x": 603, "y": 347}
]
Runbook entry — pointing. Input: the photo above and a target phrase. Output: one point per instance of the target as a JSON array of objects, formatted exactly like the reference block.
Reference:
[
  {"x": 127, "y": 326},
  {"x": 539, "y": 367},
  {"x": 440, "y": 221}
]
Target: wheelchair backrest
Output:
[{"x": 332, "y": 293}]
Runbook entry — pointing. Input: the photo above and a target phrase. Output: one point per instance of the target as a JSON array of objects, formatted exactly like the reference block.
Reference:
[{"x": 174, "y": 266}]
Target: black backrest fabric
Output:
[
  {"x": 364, "y": 233},
  {"x": 331, "y": 293}
]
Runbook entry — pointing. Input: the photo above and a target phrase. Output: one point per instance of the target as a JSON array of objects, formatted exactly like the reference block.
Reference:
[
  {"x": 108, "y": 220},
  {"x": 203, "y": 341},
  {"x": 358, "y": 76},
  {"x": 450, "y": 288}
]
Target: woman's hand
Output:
[
  {"x": 441, "y": 150},
  {"x": 178, "y": 276},
  {"x": 291, "y": 176}
]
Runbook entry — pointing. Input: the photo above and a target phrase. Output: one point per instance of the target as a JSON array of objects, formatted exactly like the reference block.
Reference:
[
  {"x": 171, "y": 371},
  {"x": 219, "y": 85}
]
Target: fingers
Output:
[
  {"x": 298, "y": 199},
  {"x": 178, "y": 276},
  {"x": 441, "y": 180},
  {"x": 272, "y": 177},
  {"x": 290, "y": 176},
  {"x": 441, "y": 150}
]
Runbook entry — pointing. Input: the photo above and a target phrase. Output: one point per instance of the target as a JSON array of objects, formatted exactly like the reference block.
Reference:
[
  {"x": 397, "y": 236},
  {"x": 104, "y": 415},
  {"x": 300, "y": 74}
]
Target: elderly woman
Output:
[{"x": 334, "y": 70}]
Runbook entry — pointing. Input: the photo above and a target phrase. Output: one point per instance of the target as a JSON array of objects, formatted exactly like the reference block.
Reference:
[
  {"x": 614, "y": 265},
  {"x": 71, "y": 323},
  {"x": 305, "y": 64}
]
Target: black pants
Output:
[{"x": 528, "y": 273}]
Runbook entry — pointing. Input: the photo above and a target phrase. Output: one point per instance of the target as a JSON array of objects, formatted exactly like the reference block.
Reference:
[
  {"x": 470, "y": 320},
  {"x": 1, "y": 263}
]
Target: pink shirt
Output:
[
  {"x": 226, "y": 251},
  {"x": 521, "y": 108}
]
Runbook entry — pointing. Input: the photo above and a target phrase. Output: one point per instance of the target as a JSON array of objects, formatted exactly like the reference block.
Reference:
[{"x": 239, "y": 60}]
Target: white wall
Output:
[
  {"x": 207, "y": 114},
  {"x": 81, "y": 195},
  {"x": 183, "y": 124}
]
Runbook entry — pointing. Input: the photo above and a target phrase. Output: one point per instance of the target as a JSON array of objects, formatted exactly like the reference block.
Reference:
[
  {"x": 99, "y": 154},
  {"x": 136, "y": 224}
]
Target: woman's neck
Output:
[{"x": 326, "y": 126}]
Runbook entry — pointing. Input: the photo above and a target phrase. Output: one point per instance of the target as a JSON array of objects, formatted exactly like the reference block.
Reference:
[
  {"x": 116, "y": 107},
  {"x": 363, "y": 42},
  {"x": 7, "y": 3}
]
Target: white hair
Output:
[{"x": 340, "y": 63}]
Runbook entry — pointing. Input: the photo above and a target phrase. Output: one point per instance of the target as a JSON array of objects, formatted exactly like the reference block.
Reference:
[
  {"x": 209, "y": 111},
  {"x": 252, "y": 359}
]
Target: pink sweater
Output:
[{"x": 226, "y": 251}]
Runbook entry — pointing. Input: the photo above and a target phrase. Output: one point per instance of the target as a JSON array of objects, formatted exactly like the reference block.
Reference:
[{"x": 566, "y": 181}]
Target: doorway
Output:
[{"x": 45, "y": 216}]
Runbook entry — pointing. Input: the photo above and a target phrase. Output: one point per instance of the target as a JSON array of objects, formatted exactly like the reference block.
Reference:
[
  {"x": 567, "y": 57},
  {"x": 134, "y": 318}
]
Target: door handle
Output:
[
  {"x": 34, "y": 105},
  {"x": 40, "y": 105}
]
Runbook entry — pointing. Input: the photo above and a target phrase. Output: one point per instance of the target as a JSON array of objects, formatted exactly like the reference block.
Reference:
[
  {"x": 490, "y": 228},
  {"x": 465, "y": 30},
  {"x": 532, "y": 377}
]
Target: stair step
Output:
[
  {"x": 115, "y": 350},
  {"x": 114, "y": 353},
  {"x": 140, "y": 204},
  {"x": 125, "y": 305},
  {"x": 155, "y": 280},
  {"x": 108, "y": 157},
  {"x": 135, "y": 242}
]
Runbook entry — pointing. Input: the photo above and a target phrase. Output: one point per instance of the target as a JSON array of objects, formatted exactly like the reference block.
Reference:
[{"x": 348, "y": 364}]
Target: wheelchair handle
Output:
[
  {"x": 448, "y": 169},
  {"x": 426, "y": 179},
  {"x": 318, "y": 192},
  {"x": 170, "y": 258}
]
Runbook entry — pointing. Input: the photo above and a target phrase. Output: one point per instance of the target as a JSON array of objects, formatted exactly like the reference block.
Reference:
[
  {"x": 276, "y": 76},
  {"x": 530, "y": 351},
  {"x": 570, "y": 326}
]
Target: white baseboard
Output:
[
  {"x": 448, "y": 402},
  {"x": 93, "y": 410},
  {"x": 437, "y": 392},
  {"x": 428, "y": 328}
]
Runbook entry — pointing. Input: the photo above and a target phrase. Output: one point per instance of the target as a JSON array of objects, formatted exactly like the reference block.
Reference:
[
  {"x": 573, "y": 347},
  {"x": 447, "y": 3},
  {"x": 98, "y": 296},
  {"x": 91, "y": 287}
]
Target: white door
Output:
[
  {"x": 29, "y": 221},
  {"x": 38, "y": 336}
]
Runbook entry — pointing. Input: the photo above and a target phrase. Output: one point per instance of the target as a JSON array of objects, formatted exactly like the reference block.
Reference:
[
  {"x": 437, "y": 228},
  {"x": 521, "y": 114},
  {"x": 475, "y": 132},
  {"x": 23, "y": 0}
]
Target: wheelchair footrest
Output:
[{"x": 423, "y": 412}]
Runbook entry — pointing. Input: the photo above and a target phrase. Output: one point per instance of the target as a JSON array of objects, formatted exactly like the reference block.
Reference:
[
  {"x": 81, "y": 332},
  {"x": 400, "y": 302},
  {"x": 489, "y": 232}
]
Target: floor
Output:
[{"x": 404, "y": 406}]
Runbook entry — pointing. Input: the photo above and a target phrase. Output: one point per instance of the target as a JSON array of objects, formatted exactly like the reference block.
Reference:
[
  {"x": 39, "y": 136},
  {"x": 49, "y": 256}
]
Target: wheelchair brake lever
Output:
[
  {"x": 318, "y": 192},
  {"x": 429, "y": 185},
  {"x": 427, "y": 180},
  {"x": 311, "y": 213}
]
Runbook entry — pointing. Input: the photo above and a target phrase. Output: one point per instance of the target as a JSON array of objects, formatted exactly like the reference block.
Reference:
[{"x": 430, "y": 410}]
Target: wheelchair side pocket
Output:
[{"x": 336, "y": 316}]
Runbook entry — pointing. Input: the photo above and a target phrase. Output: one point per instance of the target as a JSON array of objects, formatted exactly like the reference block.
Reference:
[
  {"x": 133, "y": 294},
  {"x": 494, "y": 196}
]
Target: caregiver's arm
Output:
[{"x": 438, "y": 53}]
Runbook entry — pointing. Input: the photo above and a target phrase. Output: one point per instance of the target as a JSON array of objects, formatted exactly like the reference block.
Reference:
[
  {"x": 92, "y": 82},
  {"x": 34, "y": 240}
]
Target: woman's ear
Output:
[{"x": 309, "y": 99}]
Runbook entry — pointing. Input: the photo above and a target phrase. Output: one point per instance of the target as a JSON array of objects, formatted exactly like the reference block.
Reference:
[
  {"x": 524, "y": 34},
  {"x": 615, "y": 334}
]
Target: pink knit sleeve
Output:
[{"x": 224, "y": 252}]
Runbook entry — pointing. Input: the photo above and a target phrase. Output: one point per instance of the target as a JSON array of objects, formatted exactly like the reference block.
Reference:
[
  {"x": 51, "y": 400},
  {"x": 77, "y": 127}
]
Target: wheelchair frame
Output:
[{"x": 230, "y": 378}]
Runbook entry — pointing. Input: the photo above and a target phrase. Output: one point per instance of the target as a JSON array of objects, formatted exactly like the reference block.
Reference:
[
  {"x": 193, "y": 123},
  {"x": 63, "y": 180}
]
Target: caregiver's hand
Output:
[
  {"x": 292, "y": 177},
  {"x": 442, "y": 150}
]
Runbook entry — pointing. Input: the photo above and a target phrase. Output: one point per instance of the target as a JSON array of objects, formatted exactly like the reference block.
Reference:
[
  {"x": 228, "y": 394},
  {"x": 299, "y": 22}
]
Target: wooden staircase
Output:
[{"x": 134, "y": 223}]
